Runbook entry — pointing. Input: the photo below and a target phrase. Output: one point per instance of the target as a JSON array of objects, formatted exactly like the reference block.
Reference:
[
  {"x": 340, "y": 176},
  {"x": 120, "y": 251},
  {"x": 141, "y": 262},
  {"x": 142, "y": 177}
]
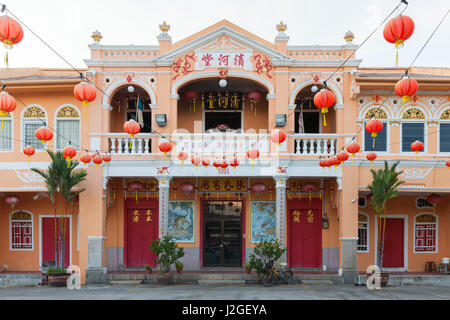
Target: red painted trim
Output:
[
  {"x": 125, "y": 234},
  {"x": 243, "y": 229},
  {"x": 201, "y": 232}
]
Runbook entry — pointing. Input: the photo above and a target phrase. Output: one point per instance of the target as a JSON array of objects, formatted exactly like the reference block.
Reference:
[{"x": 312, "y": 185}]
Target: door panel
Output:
[
  {"x": 213, "y": 244},
  {"x": 49, "y": 240},
  {"x": 232, "y": 252},
  {"x": 394, "y": 243}
]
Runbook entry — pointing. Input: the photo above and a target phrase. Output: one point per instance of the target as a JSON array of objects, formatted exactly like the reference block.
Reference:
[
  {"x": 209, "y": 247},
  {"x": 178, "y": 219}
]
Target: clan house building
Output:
[{"x": 215, "y": 97}]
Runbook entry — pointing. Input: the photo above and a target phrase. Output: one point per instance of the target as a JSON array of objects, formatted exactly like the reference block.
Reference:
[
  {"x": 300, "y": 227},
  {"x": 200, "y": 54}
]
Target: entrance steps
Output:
[{"x": 19, "y": 279}]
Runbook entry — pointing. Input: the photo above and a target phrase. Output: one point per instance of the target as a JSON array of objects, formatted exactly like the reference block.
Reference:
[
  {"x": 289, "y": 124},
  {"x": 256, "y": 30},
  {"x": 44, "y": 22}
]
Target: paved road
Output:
[{"x": 244, "y": 292}]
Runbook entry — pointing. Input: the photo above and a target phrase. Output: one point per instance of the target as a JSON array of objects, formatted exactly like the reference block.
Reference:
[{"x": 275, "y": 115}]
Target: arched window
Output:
[
  {"x": 67, "y": 127},
  {"x": 413, "y": 128},
  {"x": 425, "y": 233},
  {"x": 444, "y": 131},
  {"x": 21, "y": 230},
  {"x": 6, "y": 134},
  {"x": 363, "y": 233},
  {"x": 382, "y": 137},
  {"x": 33, "y": 118}
]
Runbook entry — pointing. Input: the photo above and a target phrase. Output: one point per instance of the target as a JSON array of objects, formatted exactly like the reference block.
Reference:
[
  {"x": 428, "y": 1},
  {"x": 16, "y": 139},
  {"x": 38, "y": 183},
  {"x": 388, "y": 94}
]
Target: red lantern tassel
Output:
[{"x": 324, "y": 120}]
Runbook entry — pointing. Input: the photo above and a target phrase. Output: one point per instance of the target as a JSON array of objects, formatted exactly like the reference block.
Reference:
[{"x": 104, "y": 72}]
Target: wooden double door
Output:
[
  {"x": 305, "y": 233},
  {"x": 141, "y": 220},
  {"x": 49, "y": 239}
]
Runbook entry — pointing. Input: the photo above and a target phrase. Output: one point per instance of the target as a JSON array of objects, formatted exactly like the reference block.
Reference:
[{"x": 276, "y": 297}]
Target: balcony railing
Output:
[{"x": 224, "y": 143}]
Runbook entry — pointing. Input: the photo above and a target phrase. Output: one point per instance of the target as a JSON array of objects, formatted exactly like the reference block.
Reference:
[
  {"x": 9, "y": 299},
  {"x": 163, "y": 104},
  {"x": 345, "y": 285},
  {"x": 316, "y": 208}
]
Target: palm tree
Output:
[
  {"x": 60, "y": 178},
  {"x": 385, "y": 183}
]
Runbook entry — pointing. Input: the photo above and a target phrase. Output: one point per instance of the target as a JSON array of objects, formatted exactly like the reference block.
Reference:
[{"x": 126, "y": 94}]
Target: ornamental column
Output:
[
  {"x": 280, "y": 183},
  {"x": 163, "y": 214}
]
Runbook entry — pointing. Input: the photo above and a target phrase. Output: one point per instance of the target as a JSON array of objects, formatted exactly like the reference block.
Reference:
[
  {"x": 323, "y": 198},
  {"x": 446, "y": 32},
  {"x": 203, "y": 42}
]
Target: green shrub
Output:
[
  {"x": 167, "y": 252},
  {"x": 179, "y": 264},
  {"x": 265, "y": 254},
  {"x": 53, "y": 270}
]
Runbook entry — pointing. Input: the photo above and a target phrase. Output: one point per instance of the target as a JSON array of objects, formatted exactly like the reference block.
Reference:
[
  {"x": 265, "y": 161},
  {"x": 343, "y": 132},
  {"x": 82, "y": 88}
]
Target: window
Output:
[
  {"x": 422, "y": 202},
  {"x": 33, "y": 118},
  {"x": 425, "y": 233},
  {"x": 362, "y": 202},
  {"x": 381, "y": 139},
  {"x": 21, "y": 231},
  {"x": 444, "y": 132},
  {"x": 413, "y": 128},
  {"x": 6, "y": 133},
  {"x": 363, "y": 233},
  {"x": 67, "y": 127}
]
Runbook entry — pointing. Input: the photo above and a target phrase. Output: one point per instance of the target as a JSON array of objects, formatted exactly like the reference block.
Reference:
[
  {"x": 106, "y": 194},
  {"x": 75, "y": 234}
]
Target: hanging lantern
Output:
[
  {"x": 11, "y": 33},
  {"x": 342, "y": 156},
  {"x": 258, "y": 188},
  {"x": 309, "y": 187},
  {"x": 278, "y": 136},
  {"x": 85, "y": 93},
  {"x": 417, "y": 146},
  {"x": 217, "y": 164},
  {"x": 206, "y": 162},
  {"x": 12, "y": 200},
  {"x": 97, "y": 159},
  {"x": 406, "y": 88},
  {"x": 182, "y": 156},
  {"x": 165, "y": 147},
  {"x": 7, "y": 105},
  {"x": 373, "y": 126},
  {"x": 324, "y": 99},
  {"x": 196, "y": 160},
  {"x": 447, "y": 163},
  {"x": 136, "y": 186},
  {"x": 323, "y": 163},
  {"x": 28, "y": 151},
  {"x": 132, "y": 127},
  {"x": 353, "y": 148},
  {"x": 434, "y": 199},
  {"x": 234, "y": 163},
  {"x": 335, "y": 161},
  {"x": 85, "y": 158},
  {"x": 253, "y": 154},
  {"x": 397, "y": 30},
  {"x": 44, "y": 134},
  {"x": 192, "y": 97},
  {"x": 187, "y": 188},
  {"x": 371, "y": 156},
  {"x": 69, "y": 153},
  {"x": 224, "y": 164},
  {"x": 254, "y": 96},
  {"x": 106, "y": 158}
]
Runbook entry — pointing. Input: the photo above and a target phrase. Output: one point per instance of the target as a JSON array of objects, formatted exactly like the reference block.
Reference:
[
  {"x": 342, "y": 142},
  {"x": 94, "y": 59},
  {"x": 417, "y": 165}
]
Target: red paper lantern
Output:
[
  {"x": 165, "y": 147},
  {"x": 373, "y": 126},
  {"x": 335, "y": 161},
  {"x": 371, "y": 156},
  {"x": 132, "y": 127},
  {"x": 447, "y": 163},
  {"x": 255, "y": 96},
  {"x": 196, "y": 160},
  {"x": 323, "y": 163},
  {"x": 69, "y": 152},
  {"x": 278, "y": 136},
  {"x": 253, "y": 154},
  {"x": 353, "y": 148},
  {"x": 417, "y": 146},
  {"x": 44, "y": 134},
  {"x": 406, "y": 88},
  {"x": 7, "y": 104},
  {"x": 191, "y": 96},
  {"x": 258, "y": 188},
  {"x": 85, "y": 93},
  {"x": 434, "y": 198},
  {"x": 106, "y": 158},
  {"x": 97, "y": 159},
  {"x": 224, "y": 164},
  {"x": 28, "y": 151},
  {"x": 136, "y": 186},
  {"x": 11, "y": 33},
  {"x": 234, "y": 163},
  {"x": 206, "y": 162},
  {"x": 323, "y": 100},
  {"x": 216, "y": 164},
  {"x": 182, "y": 156},
  {"x": 398, "y": 29},
  {"x": 342, "y": 156},
  {"x": 85, "y": 158},
  {"x": 187, "y": 188},
  {"x": 12, "y": 200}
]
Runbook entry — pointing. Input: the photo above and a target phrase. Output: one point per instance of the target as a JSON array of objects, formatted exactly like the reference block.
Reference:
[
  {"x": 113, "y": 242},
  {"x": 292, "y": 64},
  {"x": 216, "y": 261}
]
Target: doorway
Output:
[
  {"x": 222, "y": 233},
  {"x": 48, "y": 240},
  {"x": 395, "y": 242}
]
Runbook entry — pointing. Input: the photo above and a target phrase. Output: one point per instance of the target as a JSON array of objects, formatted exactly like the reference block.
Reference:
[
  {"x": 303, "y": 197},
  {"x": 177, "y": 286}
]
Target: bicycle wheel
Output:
[
  {"x": 287, "y": 276},
  {"x": 268, "y": 280}
]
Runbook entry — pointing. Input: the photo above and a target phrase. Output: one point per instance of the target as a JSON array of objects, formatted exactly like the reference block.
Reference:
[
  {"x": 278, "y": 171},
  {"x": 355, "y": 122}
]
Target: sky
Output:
[{"x": 67, "y": 25}]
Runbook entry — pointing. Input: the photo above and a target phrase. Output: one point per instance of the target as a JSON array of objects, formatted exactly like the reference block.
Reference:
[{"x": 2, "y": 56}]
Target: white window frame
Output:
[
  {"x": 427, "y": 223},
  {"x": 10, "y": 231},
  {"x": 11, "y": 118},
  {"x": 368, "y": 234},
  {"x": 364, "y": 132},
  {"x": 425, "y": 132},
  {"x": 67, "y": 119},
  {"x": 23, "y": 121}
]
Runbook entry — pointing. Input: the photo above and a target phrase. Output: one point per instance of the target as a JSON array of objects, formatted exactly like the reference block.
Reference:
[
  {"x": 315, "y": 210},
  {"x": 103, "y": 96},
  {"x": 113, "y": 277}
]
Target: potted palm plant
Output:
[
  {"x": 385, "y": 183},
  {"x": 167, "y": 252},
  {"x": 60, "y": 179}
]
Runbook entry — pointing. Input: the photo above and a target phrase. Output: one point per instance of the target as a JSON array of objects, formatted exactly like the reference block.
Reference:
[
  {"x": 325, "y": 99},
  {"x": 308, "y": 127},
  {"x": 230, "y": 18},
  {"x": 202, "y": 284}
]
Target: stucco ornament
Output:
[
  {"x": 415, "y": 173},
  {"x": 28, "y": 176}
]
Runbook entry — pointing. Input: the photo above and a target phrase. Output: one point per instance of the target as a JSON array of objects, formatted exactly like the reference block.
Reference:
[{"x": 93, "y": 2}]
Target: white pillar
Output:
[
  {"x": 163, "y": 184},
  {"x": 281, "y": 209}
]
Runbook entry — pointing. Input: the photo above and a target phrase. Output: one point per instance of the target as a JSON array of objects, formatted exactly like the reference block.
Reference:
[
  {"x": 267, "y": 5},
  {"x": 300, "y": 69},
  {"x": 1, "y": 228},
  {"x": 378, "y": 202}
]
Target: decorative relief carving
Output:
[
  {"x": 148, "y": 78},
  {"x": 34, "y": 112},
  {"x": 415, "y": 173},
  {"x": 445, "y": 115},
  {"x": 376, "y": 113},
  {"x": 67, "y": 112},
  {"x": 28, "y": 176},
  {"x": 413, "y": 114},
  {"x": 426, "y": 218}
]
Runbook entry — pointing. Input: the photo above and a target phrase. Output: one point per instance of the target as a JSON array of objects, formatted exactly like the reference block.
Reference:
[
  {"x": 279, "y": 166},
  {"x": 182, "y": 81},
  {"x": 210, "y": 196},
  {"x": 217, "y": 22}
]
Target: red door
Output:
[
  {"x": 305, "y": 233},
  {"x": 49, "y": 241},
  {"x": 393, "y": 243},
  {"x": 142, "y": 229}
]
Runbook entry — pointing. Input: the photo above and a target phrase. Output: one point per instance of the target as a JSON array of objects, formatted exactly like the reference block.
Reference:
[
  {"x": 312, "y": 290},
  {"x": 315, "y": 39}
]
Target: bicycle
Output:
[{"x": 271, "y": 275}]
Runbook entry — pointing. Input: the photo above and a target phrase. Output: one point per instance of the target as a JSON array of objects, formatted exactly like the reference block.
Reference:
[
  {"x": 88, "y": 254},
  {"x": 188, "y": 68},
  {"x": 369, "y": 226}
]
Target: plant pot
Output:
[
  {"x": 148, "y": 271},
  {"x": 58, "y": 279},
  {"x": 384, "y": 278},
  {"x": 163, "y": 279},
  {"x": 179, "y": 270},
  {"x": 248, "y": 271}
]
